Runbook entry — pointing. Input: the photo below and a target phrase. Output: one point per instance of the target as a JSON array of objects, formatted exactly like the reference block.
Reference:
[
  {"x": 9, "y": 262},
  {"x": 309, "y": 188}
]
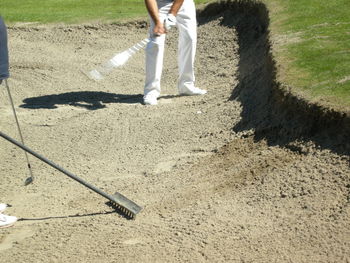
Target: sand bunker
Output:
[{"x": 216, "y": 184}]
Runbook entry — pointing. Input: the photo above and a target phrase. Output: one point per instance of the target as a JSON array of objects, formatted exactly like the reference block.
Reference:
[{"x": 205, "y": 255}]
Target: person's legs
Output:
[
  {"x": 154, "y": 58},
  {"x": 154, "y": 65},
  {"x": 187, "y": 25}
]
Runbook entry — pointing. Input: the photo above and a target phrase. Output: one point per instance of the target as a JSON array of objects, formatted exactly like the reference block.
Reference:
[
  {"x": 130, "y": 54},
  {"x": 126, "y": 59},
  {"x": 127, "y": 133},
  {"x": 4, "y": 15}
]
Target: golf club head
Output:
[
  {"x": 100, "y": 71},
  {"x": 94, "y": 74},
  {"x": 28, "y": 181}
]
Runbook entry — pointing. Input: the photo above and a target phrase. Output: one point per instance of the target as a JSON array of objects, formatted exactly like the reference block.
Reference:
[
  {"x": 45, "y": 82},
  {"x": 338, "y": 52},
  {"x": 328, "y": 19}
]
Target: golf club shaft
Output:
[
  {"x": 117, "y": 60},
  {"x": 19, "y": 129}
]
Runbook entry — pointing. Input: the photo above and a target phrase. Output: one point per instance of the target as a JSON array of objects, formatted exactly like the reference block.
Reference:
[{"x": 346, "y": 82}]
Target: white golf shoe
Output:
[
  {"x": 7, "y": 221},
  {"x": 192, "y": 91},
  {"x": 2, "y": 207},
  {"x": 150, "y": 99}
]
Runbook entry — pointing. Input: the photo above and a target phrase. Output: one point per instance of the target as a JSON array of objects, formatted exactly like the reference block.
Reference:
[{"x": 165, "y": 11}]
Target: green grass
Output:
[
  {"x": 70, "y": 11},
  {"x": 318, "y": 61}
]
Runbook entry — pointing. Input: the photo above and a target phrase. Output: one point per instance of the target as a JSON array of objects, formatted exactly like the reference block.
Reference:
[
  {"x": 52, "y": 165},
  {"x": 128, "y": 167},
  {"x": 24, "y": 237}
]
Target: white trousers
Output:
[{"x": 187, "y": 26}]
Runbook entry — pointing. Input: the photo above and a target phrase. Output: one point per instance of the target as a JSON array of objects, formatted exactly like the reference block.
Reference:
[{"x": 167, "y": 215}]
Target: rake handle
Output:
[{"x": 69, "y": 174}]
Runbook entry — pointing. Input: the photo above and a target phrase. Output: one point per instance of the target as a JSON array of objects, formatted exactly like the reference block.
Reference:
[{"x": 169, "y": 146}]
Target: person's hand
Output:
[
  {"x": 159, "y": 29},
  {"x": 169, "y": 22}
]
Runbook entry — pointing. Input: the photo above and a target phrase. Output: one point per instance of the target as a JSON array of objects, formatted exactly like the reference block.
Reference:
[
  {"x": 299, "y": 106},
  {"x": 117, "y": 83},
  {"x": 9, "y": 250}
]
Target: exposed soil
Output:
[{"x": 237, "y": 175}]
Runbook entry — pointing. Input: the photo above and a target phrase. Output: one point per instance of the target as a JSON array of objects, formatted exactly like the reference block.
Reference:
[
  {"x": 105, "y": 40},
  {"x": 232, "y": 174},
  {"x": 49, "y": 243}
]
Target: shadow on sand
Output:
[{"x": 90, "y": 100}]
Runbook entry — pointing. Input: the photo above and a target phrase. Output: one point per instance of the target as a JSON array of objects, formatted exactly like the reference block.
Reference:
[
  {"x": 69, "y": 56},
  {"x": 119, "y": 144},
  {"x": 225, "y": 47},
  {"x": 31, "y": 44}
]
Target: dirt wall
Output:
[{"x": 270, "y": 107}]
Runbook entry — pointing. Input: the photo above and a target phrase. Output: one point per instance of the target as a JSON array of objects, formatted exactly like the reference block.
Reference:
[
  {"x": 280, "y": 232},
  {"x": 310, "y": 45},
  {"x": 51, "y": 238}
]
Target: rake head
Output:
[{"x": 124, "y": 206}]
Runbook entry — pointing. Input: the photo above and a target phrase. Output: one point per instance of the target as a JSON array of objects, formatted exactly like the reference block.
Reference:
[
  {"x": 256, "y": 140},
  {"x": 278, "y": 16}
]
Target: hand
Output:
[
  {"x": 169, "y": 22},
  {"x": 158, "y": 29}
]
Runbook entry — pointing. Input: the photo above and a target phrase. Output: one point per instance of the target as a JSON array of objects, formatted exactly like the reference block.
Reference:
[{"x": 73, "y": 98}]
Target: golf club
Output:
[
  {"x": 4, "y": 74},
  {"x": 117, "y": 60}
]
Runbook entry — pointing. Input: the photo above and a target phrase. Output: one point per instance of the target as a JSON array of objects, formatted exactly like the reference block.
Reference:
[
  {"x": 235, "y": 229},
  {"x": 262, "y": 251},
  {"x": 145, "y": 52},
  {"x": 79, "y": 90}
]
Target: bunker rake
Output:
[
  {"x": 122, "y": 204},
  {"x": 118, "y": 201}
]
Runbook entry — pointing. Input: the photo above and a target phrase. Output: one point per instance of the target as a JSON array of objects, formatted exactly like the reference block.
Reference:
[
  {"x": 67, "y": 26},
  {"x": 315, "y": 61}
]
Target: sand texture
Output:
[{"x": 220, "y": 177}]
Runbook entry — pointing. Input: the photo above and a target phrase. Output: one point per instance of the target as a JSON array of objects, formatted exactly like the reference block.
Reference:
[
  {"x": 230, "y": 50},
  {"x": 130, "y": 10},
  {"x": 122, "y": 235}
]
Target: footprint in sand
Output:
[{"x": 19, "y": 235}]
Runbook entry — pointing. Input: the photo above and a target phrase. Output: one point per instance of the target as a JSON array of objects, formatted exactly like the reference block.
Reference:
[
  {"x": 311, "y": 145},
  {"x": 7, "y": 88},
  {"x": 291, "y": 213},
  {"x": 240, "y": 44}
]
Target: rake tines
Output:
[{"x": 125, "y": 206}]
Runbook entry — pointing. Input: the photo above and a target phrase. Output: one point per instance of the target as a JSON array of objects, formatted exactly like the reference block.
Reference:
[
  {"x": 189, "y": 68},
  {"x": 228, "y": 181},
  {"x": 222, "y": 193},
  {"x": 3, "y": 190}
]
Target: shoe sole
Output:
[
  {"x": 10, "y": 225},
  {"x": 145, "y": 102}
]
